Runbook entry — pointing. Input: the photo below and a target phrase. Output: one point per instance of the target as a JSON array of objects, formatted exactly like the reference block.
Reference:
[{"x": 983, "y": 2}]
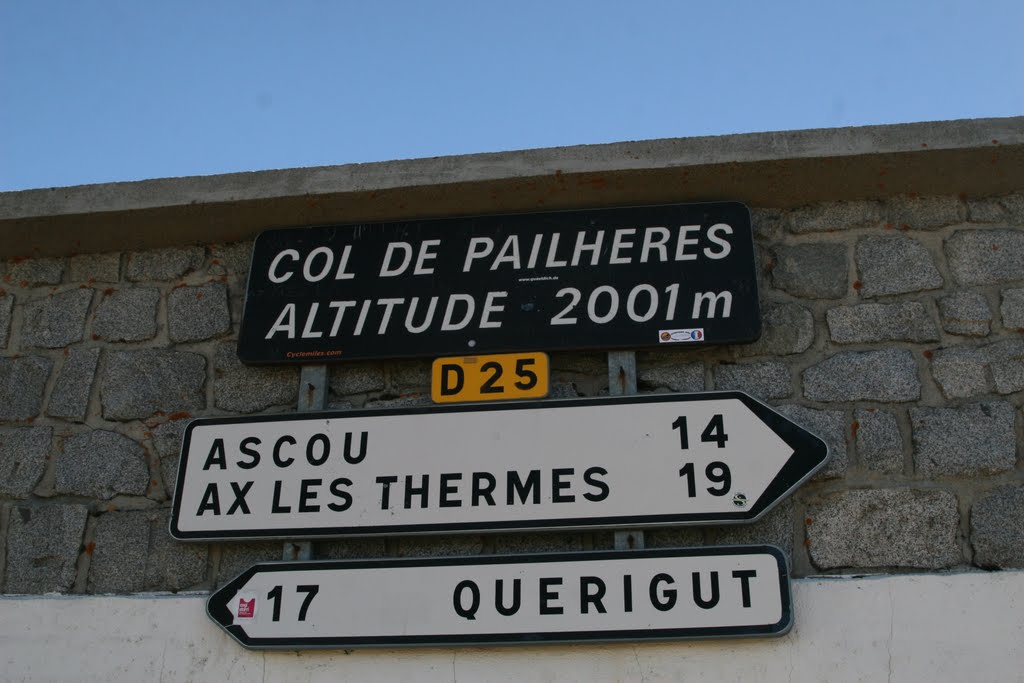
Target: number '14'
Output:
[{"x": 716, "y": 472}]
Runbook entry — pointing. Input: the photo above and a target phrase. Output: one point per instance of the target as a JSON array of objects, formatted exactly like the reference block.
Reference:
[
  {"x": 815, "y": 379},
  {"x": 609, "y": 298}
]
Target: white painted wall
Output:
[{"x": 911, "y": 628}]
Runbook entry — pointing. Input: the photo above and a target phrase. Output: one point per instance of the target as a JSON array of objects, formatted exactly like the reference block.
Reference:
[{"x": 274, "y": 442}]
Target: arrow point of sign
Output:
[
  {"x": 217, "y": 606},
  {"x": 808, "y": 454}
]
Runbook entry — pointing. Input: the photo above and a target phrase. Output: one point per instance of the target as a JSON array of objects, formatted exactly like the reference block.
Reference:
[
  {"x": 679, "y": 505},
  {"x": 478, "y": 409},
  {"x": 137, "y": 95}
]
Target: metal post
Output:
[
  {"x": 313, "y": 389},
  {"x": 622, "y": 382}
]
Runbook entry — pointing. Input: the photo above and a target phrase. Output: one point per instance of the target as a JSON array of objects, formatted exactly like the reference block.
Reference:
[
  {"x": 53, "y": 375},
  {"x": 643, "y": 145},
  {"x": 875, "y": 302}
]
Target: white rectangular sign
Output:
[
  {"x": 612, "y": 462},
  {"x": 613, "y": 595}
]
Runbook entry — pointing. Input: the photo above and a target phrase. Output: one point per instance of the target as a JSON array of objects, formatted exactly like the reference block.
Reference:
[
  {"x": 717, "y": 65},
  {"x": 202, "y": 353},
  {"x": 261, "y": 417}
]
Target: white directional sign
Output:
[
  {"x": 624, "y": 595},
  {"x": 610, "y": 462}
]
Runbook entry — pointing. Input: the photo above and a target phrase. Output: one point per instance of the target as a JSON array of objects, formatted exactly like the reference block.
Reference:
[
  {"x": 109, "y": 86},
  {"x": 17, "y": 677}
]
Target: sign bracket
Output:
[
  {"x": 313, "y": 389},
  {"x": 622, "y": 382}
]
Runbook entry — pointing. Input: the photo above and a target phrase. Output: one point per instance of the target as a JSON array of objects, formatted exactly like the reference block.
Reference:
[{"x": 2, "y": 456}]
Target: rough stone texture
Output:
[
  {"x": 786, "y": 329},
  {"x": 234, "y": 258},
  {"x": 35, "y": 271},
  {"x": 439, "y": 546},
  {"x": 923, "y": 213},
  {"x": 895, "y": 264},
  {"x": 172, "y": 565},
  {"x": 964, "y": 371},
  {"x": 118, "y": 562},
  {"x": 997, "y": 528},
  {"x": 1006, "y": 362},
  {"x": 351, "y": 548},
  {"x": 410, "y": 374},
  {"x": 589, "y": 363},
  {"x": 235, "y": 558},
  {"x": 166, "y": 440},
  {"x": 672, "y": 537},
  {"x": 775, "y": 528},
  {"x": 879, "y": 442},
  {"x": 91, "y": 268},
  {"x": 814, "y": 271},
  {"x": 767, "y": 380},
  {"x": 886, "y": 375},
  {"x": 986, "y": 257},
  {"x": 70, "y": 397},
  {"x": 1006, "y": 209},
  {"x": 967, "y": 441},
  {"x": 589, "y": 386},
  {"x": 127, "y": 314},
  {"x": 163, "y": 264},
  {"x": 563, "y": 390},
  {"x": 166, "y": 437},
  {"x": 169, "y": 474},
  {"x": 766, "y": 223},
  {"x": 510, "y": 544},
  {"x": 688, "y": 377},
  {"x": 6, "y": 311},
  {"x": 884, "y": 528},
  {"x": 23, "y": 455},
  {"x": 1012, "y": 309},
  {"x": 197, "y": 313},
  {"x": 905, "y": 321},
  {"x": 57, "y": 320},
  {"x": 356, "y": 378},
  {"x": 965, "y": 313},
  {"x": 134, "y": 553},
  {"x": 834, "y": 216},
  {"x": 242, "y": 389},
  {"x": 22, "y": 383},
  {"x": 42, "y": 547},
  {"x": 101, "y": 464},
  {"x": 960, "y": 371},
  {"x": 407, "y": 401},
  {"x": 138, "y": 384},
  {"x": 830, "y": 427},
  {"x": 1008, "y": 376}
]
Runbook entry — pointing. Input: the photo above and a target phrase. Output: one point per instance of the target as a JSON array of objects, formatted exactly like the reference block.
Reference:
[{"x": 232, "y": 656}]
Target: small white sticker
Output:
[{"x": 694, "y": 334}]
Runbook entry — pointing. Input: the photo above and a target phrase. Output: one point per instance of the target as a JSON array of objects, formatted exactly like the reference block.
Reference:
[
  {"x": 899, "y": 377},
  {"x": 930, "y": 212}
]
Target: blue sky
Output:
[{"x": 105, "y": 91}]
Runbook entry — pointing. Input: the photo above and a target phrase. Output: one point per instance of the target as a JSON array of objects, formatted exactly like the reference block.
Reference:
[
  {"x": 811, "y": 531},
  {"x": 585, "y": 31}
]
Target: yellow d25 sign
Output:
[{"x": 490, "y": 378}]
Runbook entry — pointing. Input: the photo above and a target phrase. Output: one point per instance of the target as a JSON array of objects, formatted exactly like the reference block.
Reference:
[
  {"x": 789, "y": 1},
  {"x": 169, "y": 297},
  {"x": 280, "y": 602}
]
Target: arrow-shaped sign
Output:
[
  {"x": 566, "y": 597},
  {"x": 610, "y": 462}
]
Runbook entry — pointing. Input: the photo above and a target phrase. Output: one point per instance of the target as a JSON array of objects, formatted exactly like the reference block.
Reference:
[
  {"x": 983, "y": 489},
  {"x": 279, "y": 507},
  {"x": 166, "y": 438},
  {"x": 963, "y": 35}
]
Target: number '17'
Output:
[{"x": 275, "y": 596}]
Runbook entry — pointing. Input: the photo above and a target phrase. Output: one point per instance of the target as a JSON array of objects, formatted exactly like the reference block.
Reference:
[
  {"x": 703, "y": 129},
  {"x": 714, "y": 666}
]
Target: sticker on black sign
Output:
[{"x": 604, "y": 278}]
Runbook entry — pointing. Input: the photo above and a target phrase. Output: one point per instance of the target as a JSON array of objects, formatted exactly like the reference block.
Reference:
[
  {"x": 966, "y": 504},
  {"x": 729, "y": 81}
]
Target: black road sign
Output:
[
  {"x": 523, "y": 599},
  {"x": 604, "y": 278},
  {"x": 606, "y": 462}
]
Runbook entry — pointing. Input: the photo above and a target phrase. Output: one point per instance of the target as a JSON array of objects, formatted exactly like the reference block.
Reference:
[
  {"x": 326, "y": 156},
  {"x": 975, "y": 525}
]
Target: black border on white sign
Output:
[
  {"x": 217, "y": 603},
  {"x": 810, "y": 454}
]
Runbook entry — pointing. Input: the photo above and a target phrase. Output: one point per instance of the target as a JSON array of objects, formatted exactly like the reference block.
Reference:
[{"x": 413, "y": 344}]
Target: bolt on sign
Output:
[
  {"x": 606, "y": 462},
  {"x": 526, "y": 599},
  {"x": 638, "y": 277}
]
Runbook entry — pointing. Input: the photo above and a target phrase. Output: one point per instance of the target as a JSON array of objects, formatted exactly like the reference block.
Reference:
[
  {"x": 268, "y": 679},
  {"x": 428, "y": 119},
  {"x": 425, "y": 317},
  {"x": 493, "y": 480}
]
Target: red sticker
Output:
[{"x": 246, "y": 608}]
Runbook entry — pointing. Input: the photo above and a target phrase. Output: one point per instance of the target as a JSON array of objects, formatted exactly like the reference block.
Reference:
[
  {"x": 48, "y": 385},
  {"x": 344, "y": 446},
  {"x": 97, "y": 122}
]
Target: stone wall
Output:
[{"x": 894, "y": 330}]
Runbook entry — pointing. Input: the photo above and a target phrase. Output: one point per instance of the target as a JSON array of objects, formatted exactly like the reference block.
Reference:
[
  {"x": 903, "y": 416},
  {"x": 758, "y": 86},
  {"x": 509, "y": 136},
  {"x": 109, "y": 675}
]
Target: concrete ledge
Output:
[
  {"x": 980, "y": 157},
  {"x": 909, "y": 628}
]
